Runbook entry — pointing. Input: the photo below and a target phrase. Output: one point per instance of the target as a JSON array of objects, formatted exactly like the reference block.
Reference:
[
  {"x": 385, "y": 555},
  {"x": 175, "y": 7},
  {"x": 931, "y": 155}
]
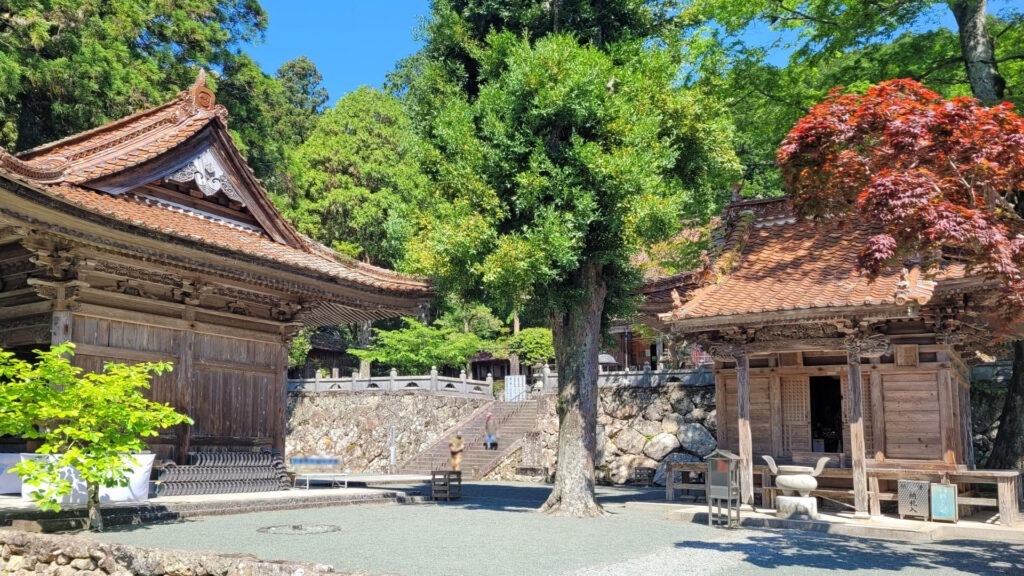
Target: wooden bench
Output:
[
  {"x": 1007, "y": 483},
  {"x": 693, "y": 478},
  {"x": 446, "y": 484}
]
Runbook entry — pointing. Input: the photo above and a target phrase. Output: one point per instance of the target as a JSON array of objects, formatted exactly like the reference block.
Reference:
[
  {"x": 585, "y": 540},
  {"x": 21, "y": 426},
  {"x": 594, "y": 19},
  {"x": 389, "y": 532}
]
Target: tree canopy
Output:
[
  {"x": 88, "y": 422},
  {"x": 935, "y": 174}
]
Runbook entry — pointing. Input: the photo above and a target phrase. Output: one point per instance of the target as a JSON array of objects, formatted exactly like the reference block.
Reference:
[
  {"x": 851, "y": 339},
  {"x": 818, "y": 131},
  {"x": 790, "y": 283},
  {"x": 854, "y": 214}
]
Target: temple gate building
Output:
[{"x": 150, "y": 239}]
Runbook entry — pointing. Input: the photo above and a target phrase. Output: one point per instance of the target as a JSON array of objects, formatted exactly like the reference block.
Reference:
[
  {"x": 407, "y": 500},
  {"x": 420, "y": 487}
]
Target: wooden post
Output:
[
  {"x": 726, "y": 351},
  {"x": 743, "y": 413},
  {"x": 855, "y": 348},
  {"x": 775, "y": 396},
  {"x": 877, "y": 413},
  {"x": 947, "y": 422},
  {"x": 186, "y": 383}
]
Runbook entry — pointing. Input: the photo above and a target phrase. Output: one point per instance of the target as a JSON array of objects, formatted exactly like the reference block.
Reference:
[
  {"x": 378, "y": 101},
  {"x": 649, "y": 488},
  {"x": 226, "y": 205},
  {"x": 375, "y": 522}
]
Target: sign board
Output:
[
  {"x": 913, "y": 498},
  {"x": 944, "y": 502},
  {"x": 515, "y": 388}
]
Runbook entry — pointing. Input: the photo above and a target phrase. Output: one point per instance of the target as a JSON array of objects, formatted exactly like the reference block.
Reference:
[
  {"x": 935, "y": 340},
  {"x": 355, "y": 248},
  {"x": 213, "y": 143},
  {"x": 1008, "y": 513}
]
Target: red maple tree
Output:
[{"x": 934, "y": 174}]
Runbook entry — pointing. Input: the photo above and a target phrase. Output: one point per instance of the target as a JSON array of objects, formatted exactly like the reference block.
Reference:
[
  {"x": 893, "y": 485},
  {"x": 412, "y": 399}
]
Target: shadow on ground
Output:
[
  {"x": 781, "y": 550},
  {"x": 528, "y": 498}
]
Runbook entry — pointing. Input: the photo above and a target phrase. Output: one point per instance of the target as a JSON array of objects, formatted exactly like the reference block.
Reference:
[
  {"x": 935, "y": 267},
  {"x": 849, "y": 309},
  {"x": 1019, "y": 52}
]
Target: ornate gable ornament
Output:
[{"x": 206, "y": 171}]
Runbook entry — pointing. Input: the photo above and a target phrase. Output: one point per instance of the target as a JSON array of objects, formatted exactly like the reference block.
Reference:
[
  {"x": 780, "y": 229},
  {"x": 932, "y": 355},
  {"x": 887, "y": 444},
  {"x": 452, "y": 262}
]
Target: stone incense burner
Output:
[{"x": 793, "y": 480}]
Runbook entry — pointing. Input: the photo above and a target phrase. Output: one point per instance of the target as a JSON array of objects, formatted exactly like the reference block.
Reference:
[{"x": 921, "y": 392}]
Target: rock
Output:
[
  {"x": 680, "y": 400},
  {"x": 671, "y": 423},
  {"x": 698, "y": 415},
  {"x": 657, "y": 410},
  {"x": 695, "y": 439},
  {"x": 83, "y": 564},
  {"x": 623, "y": 410},
  {"x": 659, "y": 474},
  {"x": 630, "y": 441},
  {"x": 646, "y": 428},
  {"x": 661, "y": 445}
]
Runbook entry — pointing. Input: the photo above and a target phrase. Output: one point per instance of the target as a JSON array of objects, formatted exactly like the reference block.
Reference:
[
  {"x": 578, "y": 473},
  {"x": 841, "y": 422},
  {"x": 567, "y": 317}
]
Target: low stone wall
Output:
[
  {"x": 24, "y": 553},
  {"x": 356, "y": 428},
  {"x": 636, "y": 427}
]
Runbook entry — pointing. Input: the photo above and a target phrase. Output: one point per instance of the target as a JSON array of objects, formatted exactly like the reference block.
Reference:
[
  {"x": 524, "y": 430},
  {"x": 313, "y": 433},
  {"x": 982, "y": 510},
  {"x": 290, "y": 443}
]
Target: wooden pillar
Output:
[
  {"x": 877, "y": 413},
  {"x": 743, "y": 414},
  {"x": 947, "y": 420},
  {"x": 856, "y": 418},
  {"x": 186, "y": 383},
  {"x": 856, "y": 347},
  {"x": 736, "y": 352},
  {"x": 775, "y": 397}
]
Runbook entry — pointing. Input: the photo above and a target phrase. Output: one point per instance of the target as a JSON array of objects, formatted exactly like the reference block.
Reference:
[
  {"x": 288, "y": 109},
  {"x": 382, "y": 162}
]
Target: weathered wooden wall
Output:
[
  {"x": 229, "y": 352},
  {"x": 916, "y": 406}
]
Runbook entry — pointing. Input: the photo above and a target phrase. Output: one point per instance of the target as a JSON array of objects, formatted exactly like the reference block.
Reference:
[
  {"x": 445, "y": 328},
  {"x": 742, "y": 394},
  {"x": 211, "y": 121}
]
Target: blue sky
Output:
[
  {"x": 357, "y": 42},
  {"x": 352, "y": 42}
]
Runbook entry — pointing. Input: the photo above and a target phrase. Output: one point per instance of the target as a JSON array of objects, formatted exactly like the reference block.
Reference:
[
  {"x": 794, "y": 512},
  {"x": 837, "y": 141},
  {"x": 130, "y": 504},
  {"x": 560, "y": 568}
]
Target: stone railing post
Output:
[
  {"x": 547, "y": 377},
  {"x": 490, "y": 383},
  {"x": 316, "y": 380},
  {"x": 433, "y": 378},
  {"x": 391, "y": 379}
]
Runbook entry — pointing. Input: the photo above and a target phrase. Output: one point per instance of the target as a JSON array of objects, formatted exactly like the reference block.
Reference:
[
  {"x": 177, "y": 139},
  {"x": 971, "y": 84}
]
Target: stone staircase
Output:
[{"x": 514, "y": 420}]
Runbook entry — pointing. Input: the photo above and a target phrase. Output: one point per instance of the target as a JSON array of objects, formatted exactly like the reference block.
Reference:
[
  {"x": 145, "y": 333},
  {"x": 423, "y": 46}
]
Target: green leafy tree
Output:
[
  {"x": 357, "y": 179},
  {"x": 271, "y": 115},
  {"x": 765, "y": 100},
  {"x": 418, "y": 347},
  {"x": 471, "y": 317},
  {"x": 559, "y": 158},
  {"x": 532, "y": 345},
  {"x": 88, "y": 422},
  {"x": 71, "y": 65},
  {"x": 827, "y": 27}
]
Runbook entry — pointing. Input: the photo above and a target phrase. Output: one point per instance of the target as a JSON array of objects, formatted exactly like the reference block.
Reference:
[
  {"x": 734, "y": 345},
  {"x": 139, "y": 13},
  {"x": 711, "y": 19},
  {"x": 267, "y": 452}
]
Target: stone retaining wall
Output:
[
  {"x": 636, "y": 427},
  {"x": 356, "y": 428},
  {"x": 24, "y": 554}
]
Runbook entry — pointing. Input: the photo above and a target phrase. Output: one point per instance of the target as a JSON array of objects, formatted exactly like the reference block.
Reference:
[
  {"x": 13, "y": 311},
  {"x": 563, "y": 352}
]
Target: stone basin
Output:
[{"x": 791, "y": 469}]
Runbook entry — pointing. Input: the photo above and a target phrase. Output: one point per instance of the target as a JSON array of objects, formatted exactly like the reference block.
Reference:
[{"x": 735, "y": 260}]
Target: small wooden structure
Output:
[
  {"x": 150, "y": 239},
  {"x": 813, "y": 359},
  {"x": 445, "y": 484}
]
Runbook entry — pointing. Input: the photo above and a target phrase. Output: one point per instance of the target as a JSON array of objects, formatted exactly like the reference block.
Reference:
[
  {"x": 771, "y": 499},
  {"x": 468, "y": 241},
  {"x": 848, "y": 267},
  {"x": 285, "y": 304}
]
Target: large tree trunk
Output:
[
  {"x": 95, "y": 517},
  {"x": 577, "y": 336},
  {"x": 1008, "y": 447},
  {"x": 978, "y": 50}
]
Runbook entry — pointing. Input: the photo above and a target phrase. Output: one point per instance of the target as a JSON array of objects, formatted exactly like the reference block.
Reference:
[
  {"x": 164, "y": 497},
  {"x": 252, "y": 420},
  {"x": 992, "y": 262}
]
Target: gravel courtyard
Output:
[{"x": 495, "y": 531}]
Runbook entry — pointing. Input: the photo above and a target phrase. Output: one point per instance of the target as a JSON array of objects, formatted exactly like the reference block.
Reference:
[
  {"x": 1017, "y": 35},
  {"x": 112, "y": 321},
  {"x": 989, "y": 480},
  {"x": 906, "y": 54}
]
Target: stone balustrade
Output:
[{"x": 432, "y": 383}]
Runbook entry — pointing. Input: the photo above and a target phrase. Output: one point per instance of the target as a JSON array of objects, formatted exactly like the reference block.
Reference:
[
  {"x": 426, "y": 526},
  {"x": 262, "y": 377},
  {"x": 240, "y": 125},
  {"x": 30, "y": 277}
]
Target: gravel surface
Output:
[{"x": 495, "y": 531}]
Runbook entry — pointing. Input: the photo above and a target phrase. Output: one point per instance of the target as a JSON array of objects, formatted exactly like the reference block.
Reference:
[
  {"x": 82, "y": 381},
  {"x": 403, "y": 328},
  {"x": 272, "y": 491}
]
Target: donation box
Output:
[{"x": 723, "y": 487}]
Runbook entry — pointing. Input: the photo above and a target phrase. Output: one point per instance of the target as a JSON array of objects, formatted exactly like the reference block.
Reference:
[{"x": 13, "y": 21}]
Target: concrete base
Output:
[{"x": 796, "y": 507}]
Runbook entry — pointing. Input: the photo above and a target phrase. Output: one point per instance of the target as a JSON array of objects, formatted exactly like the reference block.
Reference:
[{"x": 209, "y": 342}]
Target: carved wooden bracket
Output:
[
  {"x": 64, "y": 294},
  {"x": 57, "y": 260},
  {"x": 872, "y": 346},
  {"x": 285, "y": 311},
  {"x": 723, "y": 351}
]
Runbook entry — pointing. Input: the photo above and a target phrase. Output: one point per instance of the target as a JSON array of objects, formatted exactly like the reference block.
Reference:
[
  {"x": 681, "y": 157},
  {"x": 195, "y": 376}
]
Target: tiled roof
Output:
[
  {"x": 782, "y": 264},
  {"x": 64, "y": 170}
]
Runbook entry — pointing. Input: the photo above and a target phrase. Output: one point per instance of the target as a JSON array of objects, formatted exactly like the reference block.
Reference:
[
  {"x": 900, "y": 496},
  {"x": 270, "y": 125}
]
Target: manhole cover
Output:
[{"x": 300, "y": 529}]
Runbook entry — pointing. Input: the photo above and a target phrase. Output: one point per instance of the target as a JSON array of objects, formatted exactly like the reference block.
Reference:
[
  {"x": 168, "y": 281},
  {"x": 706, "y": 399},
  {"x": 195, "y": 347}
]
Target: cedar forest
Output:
[{"x": 531, "y": 149}]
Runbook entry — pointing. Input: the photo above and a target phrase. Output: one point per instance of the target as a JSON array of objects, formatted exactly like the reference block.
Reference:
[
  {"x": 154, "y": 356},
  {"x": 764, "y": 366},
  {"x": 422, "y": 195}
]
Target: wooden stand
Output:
[{"x": 446, "y": 484}]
